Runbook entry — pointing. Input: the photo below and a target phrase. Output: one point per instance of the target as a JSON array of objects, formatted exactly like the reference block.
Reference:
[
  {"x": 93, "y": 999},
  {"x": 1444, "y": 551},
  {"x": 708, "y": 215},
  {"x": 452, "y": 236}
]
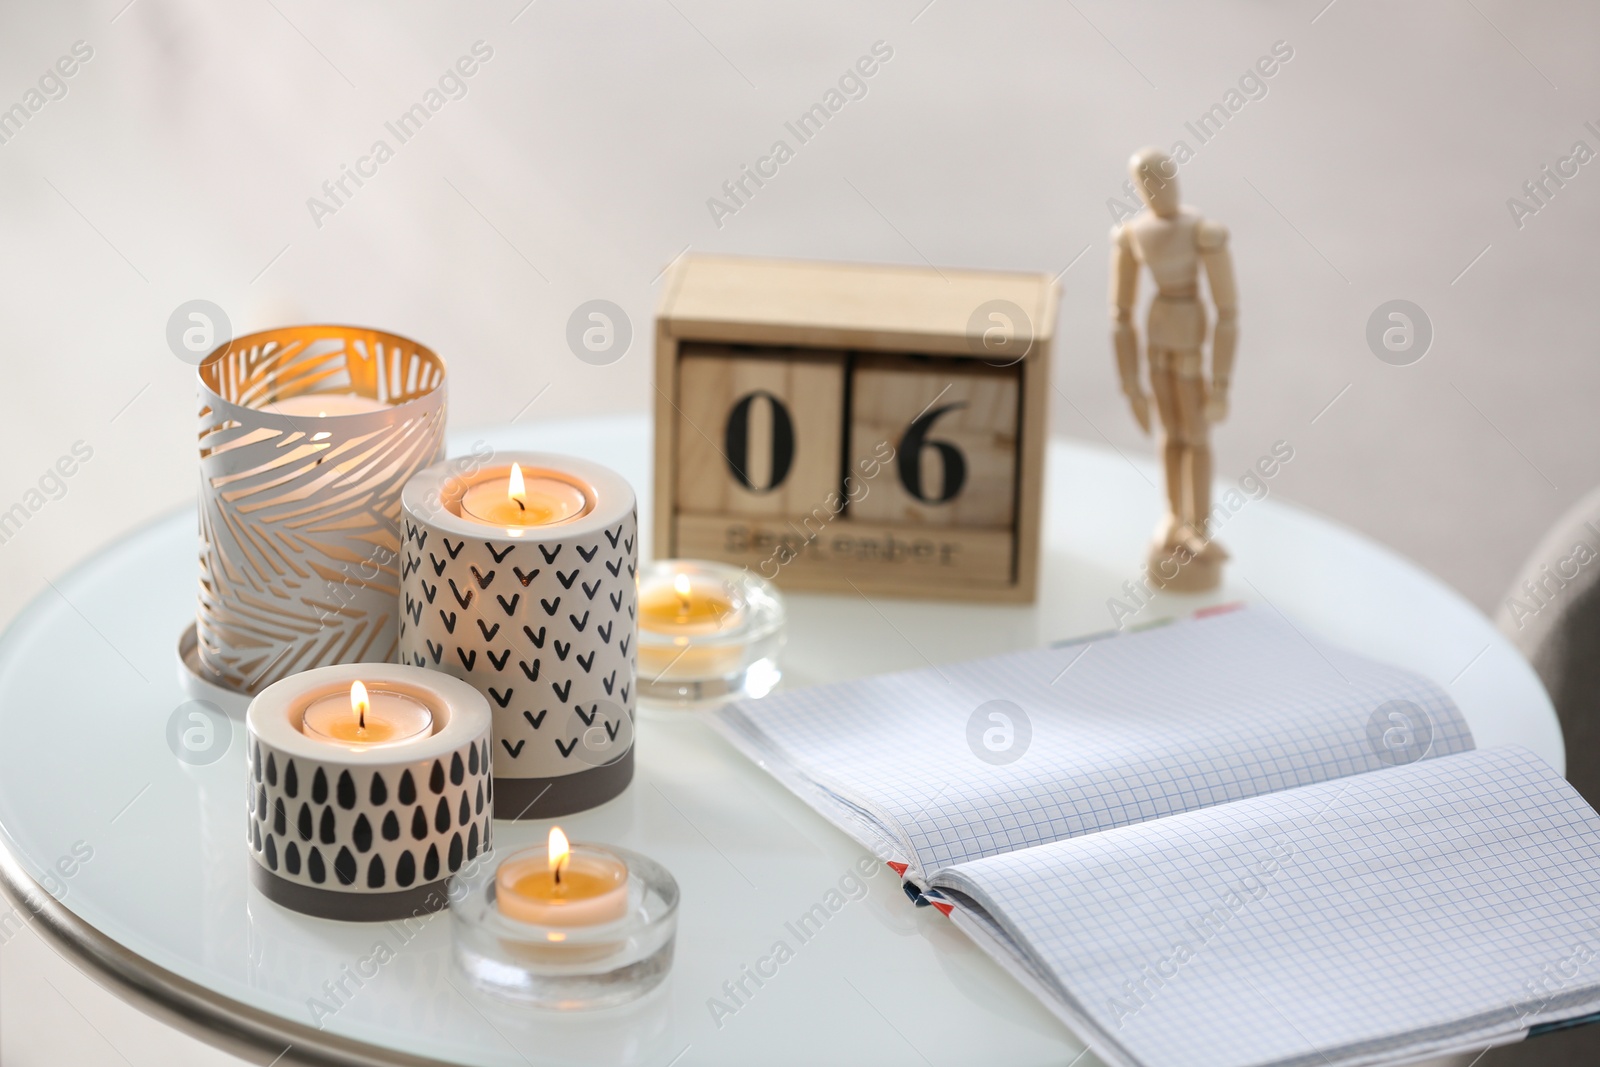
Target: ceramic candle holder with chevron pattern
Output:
[
  {"x": 367, "y": 832},
  {"x": 300, "y": 511},
  {"x": 543, "y": 620}
]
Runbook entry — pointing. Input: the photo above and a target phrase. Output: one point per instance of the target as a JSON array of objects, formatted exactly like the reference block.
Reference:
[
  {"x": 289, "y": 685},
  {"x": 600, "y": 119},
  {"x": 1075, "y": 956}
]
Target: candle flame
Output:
[
  {"x": 680, "y": 585},
  {"x": 516, "y": 490},
  {"x": 559, "y": 852},
  {"x": 359, "y": 703}
]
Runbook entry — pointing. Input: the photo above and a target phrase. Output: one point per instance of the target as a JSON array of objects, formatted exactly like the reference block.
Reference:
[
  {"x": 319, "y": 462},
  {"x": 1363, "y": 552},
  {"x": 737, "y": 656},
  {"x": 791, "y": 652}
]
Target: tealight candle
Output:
[
  {"x": 516, "y": 500},
  {"x": 322, "y": 405},
  {"x": 568, "y": 927},
  {"x": 686, "y": 606},
  {"x": 706, "y": 630},
  {"x": 367, "y": 719},
  {"x": 565, "y": 887}
]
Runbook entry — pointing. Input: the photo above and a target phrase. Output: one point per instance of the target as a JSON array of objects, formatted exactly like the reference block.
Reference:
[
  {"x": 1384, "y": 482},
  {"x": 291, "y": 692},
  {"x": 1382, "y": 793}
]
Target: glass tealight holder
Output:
[
  {"x": 566, "y": 967},
  {"x": 707, "y": 632}
]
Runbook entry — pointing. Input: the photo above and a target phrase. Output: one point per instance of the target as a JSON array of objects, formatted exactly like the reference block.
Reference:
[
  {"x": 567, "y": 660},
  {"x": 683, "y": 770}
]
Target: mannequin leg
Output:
[
  {"x": 1163, "y": 385},
  {"x": 1189, "y": 396}
]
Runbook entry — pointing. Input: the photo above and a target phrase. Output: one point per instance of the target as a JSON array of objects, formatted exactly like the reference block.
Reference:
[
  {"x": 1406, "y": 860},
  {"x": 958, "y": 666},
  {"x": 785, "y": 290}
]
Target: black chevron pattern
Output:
[{"x": 550, "y": 642}]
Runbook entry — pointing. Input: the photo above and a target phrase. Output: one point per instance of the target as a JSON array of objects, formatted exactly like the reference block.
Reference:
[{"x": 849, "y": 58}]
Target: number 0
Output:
[{"x": 736, "y": 441}]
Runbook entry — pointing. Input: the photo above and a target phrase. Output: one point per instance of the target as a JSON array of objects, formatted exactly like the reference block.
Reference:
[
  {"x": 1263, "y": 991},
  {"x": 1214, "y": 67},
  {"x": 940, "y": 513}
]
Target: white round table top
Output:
[{"x": 149, "y": 852}]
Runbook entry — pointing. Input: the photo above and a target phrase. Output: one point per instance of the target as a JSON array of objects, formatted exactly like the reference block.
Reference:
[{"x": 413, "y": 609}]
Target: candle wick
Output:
[
  {"x": 361, "y": 719},
  {"x": 558, "y": 872},
  {"x": 520, "y": 505}
]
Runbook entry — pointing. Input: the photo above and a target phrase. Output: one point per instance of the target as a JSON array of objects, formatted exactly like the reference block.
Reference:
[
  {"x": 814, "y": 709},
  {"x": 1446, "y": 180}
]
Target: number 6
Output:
[{"x": 953, "y": 464}]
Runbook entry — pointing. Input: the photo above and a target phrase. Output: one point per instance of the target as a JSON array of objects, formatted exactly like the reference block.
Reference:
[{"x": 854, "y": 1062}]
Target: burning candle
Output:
[
  {"x": 367, "y": 719},
  {"x": 687, "y": 607},
  {"x": 706, "y": 630},
  {"x": 517, "y": 500},
  {"x": 562, "y": 886}
]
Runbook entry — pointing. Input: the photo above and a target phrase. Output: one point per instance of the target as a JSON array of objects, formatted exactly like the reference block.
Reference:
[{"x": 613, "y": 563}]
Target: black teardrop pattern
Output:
[{"x": 288, "y": 826}]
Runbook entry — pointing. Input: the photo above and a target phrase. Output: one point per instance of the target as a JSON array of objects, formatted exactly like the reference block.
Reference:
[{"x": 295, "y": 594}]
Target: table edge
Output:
[{"x": 217, "y": 1020}]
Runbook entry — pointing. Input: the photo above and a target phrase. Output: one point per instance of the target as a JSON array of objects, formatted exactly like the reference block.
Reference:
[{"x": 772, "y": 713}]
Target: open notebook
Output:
[{"x": 1216, "y": 842}]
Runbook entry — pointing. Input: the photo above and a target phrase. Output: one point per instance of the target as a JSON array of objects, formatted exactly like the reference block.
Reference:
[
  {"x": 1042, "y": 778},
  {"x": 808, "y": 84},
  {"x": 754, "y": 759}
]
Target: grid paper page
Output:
[
  {"x": 1124, "y": 729},
  {"x": 1426, "y": 906}
]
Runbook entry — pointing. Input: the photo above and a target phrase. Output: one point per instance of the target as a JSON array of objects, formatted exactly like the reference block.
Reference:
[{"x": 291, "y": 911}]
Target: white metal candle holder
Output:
[
  {"x": 543, "y": 620},
  {"x": 367, "y": 833},
  {"x": 299, "y": 512}
]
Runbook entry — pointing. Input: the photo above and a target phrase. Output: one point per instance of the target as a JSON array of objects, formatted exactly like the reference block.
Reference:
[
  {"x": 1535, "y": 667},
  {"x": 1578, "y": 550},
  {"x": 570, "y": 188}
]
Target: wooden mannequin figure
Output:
[{"x": 1174, "y": 241}]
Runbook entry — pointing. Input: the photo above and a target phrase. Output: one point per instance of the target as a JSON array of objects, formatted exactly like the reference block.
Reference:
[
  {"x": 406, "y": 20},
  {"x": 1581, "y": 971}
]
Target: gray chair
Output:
[{"x": 1552, "y": 613}]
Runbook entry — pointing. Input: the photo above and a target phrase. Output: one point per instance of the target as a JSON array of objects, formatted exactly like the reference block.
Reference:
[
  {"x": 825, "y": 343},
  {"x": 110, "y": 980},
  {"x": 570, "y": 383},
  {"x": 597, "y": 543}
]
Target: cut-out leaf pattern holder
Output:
[{"x": 300, "y": 514}]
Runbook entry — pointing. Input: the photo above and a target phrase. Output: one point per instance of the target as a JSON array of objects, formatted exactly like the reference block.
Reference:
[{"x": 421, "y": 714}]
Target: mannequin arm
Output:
[
  {"x": 1124, "y": 334},
  {"x": 1214, "y": 253}
]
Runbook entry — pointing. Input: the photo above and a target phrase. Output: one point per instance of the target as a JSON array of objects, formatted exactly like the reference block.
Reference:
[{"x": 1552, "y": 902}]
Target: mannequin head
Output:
[{"x": 1155, "y": 176}]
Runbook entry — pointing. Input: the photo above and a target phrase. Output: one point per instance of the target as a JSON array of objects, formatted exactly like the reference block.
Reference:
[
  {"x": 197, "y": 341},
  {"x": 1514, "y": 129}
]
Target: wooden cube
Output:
[
  {"x": 953, "y": 426},
  {"x": 760, "y": 431},
  {"x": 861, "y": 359}
]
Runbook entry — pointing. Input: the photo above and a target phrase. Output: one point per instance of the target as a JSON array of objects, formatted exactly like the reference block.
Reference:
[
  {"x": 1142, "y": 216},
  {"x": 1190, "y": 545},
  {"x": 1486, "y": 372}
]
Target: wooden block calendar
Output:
[{"x": 854, "y": 428}]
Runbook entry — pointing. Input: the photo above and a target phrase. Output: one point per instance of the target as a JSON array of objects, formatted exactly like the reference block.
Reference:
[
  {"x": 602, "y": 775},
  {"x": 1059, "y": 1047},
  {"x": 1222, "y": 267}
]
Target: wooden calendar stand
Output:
[{"x": 845, "y": 427}]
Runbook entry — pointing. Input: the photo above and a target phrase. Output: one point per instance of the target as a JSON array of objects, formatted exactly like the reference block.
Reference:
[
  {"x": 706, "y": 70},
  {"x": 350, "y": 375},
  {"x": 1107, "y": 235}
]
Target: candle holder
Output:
[
  {"x": 566, "y": 967},
  {"x": 299, "y": 511},
  {"x": 541, "y": 619},
  {"x": 366, "y": 832},
  {"x": 707, "y": 632}
]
